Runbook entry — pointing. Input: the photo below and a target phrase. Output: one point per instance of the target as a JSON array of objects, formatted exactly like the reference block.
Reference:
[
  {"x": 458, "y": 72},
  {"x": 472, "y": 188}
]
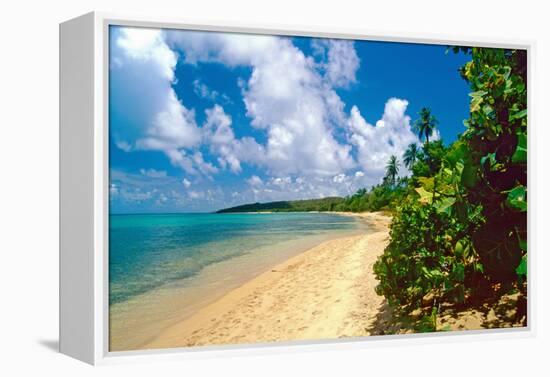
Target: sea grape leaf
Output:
[
  {"x": 425, "y": 196},
  {"x": 522, "y": 267},
  {"x": 426, "y": 182},
  {"x": 458, "y": 272},
  {"x": 468, "y": 177},
  {"x": 477, "y": 99},
  {"x": 517, "y": 199},
  {"x": 498, "y": 247},
  {"x": 459, "y": 249},
  {"x": 520, "y": 155},
  {"x": 519, "y": 114},
  {"x": 461, "y": 211},
  {"x": 523, "y": 245},
  {"x": 444, "y": 205},
  {"x": 489, "y": 159}
]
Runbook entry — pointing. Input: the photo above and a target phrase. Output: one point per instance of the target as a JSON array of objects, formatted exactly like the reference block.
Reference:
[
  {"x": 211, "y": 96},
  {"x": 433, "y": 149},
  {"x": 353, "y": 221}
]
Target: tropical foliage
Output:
[
  {"x": 324, "y": 204},
  {"x": 461, "y": 226},
  {"x": 425, "y": 125},
  {"x": 411, "y": 155}
]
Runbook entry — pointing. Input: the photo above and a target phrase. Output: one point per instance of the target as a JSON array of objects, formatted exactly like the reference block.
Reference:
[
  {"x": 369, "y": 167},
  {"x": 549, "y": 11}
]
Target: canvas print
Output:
[{"x": 280, "y": 188}]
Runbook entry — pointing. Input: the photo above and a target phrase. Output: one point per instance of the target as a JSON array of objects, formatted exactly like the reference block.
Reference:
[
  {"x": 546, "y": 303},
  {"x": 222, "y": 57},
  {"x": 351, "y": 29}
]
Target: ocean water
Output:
[{"x": 147, "y": 251}]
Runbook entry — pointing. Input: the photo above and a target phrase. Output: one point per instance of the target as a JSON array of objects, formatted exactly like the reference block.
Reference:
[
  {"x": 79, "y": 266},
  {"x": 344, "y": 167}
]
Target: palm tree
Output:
[
  {"x": 411, "y": 155},
  {"x": 392, "y": 169},
  {"x": 426, "y": 124}
]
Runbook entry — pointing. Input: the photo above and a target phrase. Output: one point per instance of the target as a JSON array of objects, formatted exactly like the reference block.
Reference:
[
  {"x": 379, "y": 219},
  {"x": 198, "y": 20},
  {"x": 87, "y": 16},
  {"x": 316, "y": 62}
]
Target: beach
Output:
[{"x": 326, "y": 292}]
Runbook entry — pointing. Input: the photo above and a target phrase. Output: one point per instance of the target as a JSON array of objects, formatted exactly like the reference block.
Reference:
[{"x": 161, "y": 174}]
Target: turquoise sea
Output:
[{"x": 147, "y": 251}]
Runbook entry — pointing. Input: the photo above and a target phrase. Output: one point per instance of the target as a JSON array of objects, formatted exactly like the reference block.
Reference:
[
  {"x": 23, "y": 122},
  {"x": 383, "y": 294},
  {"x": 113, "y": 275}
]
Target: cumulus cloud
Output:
[
  {"x": 339, "y": 60},
  {"x": 148, "y": 113},
  {"x": 285, "y": 96},
  {"x": 219, "y": 135},
  {"x": 375, "y": 144},
  {"x": 205, "y": 167},
  {"x": 289, "y": 188},
  {"x": 254, "y": 181}
]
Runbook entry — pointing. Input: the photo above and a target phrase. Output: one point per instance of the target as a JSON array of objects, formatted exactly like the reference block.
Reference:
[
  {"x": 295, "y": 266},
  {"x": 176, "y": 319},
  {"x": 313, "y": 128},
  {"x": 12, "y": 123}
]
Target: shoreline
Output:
[
  {"x": 139, "y": 320},
  {"x": 324, "y": 292}
]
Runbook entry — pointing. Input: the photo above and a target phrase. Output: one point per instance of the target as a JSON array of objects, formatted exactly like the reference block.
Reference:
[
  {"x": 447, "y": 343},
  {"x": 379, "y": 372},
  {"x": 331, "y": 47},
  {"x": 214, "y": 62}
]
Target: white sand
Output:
[{"x": 326, "y": 292}]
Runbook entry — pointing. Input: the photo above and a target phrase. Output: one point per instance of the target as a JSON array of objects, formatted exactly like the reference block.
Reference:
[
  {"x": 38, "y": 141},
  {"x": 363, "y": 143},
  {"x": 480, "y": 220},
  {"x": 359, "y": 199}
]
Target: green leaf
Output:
[
  {"x": 444, "y": 205},
  {"x": 479, "y": 93},
  {"x": 523, "y": 245},
  {"x": 489, "y": 159},
  {"x": 475, "y": 104},
  {"x": 461, "y": 211},
  {"x": 458, "y": 272},
  {"x": 520, "y": 155},
  {"x": 498, "y": 247},
  {"x": 426, "y": 272},
  {"x": 469, "y": 176},
  {"x": 478, "y": 267},
  {"x": 517, "y": 199},
  {"x": 522, "y": 267},
  {"x": 459, "y": 249},
  {"x": 425, "y": 196},
  {"x": 519, "y": 114}
]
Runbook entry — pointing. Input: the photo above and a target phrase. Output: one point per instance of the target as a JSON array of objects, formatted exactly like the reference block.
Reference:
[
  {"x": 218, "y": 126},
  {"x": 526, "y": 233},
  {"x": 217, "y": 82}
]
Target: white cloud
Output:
[
  {"x": 340, "y": 60},
  {"x": 147, "y": 45},
  {"x": 219, "y": 135},
  {"x": 172, "y": 128},
  {"x": 203, "y": 91},
  {"x": 254, "y": 181},
  {"x": 285, "y": 95},
  {"x": 180, "y": 159},
  {"x": 123, "y": 145},
  {"x": 113, "y": 189},
  {"x": 339, "y": 178},
  {"x": 149, "y": 114},
  {"x": 205, "y": 167},
  {"x": 153, "y": 173},
  {"x": 281, "y": 181},
  {"x": 288, "y": 188},
  {"x": 196, "y": 194},
  {"x": 186, "y": 183},
  {"x": 390, "y": 136}
]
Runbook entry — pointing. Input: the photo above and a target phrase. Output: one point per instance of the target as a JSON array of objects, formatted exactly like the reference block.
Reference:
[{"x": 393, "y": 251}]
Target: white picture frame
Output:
[{"x": 84, "y": 191}]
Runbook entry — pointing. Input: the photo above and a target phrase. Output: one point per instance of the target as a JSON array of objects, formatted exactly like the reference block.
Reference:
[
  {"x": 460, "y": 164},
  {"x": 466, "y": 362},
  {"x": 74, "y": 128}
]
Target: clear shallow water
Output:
[{"x": 149, "y": 251}]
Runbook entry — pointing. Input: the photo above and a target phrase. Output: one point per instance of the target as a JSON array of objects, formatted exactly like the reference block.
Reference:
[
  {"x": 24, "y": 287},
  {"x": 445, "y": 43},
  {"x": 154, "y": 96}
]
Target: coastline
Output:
[{"x": 324, "y": 292}]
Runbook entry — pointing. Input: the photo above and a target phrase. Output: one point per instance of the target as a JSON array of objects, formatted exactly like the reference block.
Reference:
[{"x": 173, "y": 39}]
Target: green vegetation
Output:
[
  {"x": 324, "y": 204},
  {"x": 459, "y": 233},
  {"x": 411, "y": 155},
  {"x": 426, "y": 124}
]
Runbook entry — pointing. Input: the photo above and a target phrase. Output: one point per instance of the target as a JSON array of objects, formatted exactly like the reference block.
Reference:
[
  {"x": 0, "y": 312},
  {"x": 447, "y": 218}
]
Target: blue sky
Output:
[{"x": 201, "y": 121}]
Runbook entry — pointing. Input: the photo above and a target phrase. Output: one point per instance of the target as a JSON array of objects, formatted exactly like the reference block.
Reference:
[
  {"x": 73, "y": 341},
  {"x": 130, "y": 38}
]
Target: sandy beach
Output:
[{"x": 325, "y": 292}]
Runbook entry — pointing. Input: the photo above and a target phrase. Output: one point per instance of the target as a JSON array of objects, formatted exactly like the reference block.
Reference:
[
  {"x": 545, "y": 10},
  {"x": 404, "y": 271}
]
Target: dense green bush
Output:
[{"x": 463, "y": 223}]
